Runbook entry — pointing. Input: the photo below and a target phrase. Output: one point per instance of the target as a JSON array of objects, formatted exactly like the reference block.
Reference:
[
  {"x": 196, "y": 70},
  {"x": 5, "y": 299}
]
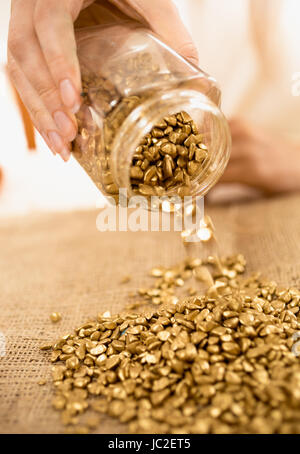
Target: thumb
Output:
[{"x": 163, "y": 19}]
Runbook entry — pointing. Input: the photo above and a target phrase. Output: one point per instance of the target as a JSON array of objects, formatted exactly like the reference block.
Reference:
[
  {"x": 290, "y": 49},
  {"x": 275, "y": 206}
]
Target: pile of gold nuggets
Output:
[{"x": 223, "y": 362}]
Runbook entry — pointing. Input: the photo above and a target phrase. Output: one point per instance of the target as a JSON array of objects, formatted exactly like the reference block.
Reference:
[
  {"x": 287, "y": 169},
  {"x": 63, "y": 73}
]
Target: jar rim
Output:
[{"x": 142, "y": 119}]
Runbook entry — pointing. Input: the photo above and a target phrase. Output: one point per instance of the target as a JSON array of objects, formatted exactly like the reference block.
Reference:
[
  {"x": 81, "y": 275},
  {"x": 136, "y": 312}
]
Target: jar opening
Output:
[{"x": 210, "y": 122}]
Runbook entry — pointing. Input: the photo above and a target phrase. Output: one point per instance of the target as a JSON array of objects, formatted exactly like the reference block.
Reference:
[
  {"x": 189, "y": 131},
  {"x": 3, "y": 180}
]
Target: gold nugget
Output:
[{"x": 55, "y": 317}]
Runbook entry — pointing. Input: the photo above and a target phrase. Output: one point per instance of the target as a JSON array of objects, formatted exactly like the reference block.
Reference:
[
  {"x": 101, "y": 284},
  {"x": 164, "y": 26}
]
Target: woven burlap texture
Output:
[{"x": 60, "y": 262}]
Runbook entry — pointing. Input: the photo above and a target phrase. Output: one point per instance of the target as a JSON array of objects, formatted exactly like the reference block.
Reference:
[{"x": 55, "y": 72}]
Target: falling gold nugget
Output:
[{"x": 221, "y": 362}]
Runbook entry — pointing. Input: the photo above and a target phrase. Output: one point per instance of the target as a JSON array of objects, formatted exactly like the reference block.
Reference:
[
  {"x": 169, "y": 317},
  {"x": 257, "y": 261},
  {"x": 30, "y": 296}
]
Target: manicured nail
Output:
[
  {"x": 46, "y": 139},
  {"x": 65, "y": 125},
  {"x": 58, "y": 145},
  {"x": 69, "y": 95},
  {"x": 65, "y": 154}
]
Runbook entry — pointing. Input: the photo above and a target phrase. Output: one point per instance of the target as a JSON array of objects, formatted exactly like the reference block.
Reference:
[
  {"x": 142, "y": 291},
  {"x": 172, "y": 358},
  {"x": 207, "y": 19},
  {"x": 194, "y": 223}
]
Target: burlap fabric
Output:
[{"x": 62, "y": 263}]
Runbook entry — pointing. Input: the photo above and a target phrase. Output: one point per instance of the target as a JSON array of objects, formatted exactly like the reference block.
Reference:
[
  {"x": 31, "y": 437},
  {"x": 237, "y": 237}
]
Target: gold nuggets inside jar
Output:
[
  {"x": 169, "y": 157},
  {"x": 150, "y": 121}
]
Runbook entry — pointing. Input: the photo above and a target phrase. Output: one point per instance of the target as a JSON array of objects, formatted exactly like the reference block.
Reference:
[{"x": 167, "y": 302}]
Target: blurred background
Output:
[{"x": 250, "y": 46}]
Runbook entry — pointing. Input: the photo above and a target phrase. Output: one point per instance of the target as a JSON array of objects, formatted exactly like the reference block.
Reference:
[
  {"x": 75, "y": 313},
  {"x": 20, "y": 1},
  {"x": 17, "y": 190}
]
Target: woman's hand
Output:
[
  {"x": 43, "y": 64},
  {"x": 262, "y": 160}
]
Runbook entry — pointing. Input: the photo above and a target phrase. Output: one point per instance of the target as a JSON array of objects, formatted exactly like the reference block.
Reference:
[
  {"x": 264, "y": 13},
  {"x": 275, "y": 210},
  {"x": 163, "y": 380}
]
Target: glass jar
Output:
[{"x": 131, "y": 82}]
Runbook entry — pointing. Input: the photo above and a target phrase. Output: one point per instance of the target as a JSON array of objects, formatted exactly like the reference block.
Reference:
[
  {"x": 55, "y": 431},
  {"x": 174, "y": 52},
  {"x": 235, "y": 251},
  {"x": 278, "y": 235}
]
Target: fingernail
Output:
[
  {"x": 65, "y": 154},
  {"x": 69, "y": 95},
  {"x": 65, "y": 125},
  {"x": 58, "y": 145},
  {"x": 46, "y": 139}
]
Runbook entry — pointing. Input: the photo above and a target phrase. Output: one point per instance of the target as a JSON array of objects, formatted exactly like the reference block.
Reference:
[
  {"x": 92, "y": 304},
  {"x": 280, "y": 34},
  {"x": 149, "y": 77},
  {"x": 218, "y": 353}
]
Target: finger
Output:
[
  {"x": 240, "y": 129},
  {"x": 234, "y": 173},
  {"x": 41, "y": 118},
  {"x": 163, "y": 18},
  {"x": 53, "y": 23},
  {"x": 28, "y": 55},
  {"x": 238, "y": 151}
]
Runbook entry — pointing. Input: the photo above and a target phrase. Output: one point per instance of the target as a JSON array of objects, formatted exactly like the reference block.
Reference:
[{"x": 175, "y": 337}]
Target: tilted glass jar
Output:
[{"x": 131, "y": 81}]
